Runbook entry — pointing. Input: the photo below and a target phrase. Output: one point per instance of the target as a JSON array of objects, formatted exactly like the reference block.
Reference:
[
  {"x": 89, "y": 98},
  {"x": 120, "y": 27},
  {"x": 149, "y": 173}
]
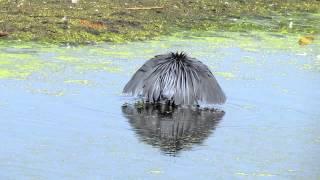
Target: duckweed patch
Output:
[
  {"x": 226, "y": 75},
  {"x": 104, "y": 66},
  {"x": 19, "y": 60},
  {"x": 19, "y": 66},
  {"x": 78, "y": 81},
  {"x": 57, "y": 93}
]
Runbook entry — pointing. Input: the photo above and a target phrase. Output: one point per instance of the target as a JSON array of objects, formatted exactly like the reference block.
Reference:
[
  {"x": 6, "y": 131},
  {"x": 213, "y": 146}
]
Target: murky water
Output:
[{"x": 61, "y": 112}]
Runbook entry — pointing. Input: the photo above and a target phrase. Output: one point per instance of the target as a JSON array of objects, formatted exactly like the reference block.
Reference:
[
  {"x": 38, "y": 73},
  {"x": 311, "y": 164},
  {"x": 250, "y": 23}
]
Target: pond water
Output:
[{"x": 62, "y": 113}]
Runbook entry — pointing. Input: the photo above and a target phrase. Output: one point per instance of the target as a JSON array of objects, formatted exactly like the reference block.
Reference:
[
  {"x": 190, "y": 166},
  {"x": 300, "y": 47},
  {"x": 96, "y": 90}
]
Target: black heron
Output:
[{"x": 177, "y": 79}]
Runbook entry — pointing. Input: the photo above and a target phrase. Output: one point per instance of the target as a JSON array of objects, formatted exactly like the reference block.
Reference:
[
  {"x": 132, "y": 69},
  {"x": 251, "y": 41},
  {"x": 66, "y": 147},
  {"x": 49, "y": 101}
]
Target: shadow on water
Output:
[{"x": 169, "y": 128}]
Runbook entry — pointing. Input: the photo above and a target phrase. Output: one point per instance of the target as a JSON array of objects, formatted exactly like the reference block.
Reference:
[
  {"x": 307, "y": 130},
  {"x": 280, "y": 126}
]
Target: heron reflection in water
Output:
[{"x": 169, "y": 127}]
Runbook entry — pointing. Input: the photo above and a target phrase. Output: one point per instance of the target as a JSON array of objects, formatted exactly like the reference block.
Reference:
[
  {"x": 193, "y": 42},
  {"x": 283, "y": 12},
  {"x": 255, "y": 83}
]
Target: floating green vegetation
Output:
[
  {"x": 19, "y": 66},
  {"x": 248, "y": 60},
  {"x": 113, "y": 52},
  {"x": 98, "y": 21},
  {"x": 69, "y": 59},
  {"x": 20, "y": 60},
  {"x": 102, "y": 66},
  {"x": 250, "y": 41},
  {"x": 314, "y": 65},
  {"x": 317, "y": 63},
  {"x": 259, "y": 174},
  {"x": 226, "y": 75},
  {"x": 156, "y": 171},
  {"x": 48, "y": 92},
  {"x": 78, "y": 81}
]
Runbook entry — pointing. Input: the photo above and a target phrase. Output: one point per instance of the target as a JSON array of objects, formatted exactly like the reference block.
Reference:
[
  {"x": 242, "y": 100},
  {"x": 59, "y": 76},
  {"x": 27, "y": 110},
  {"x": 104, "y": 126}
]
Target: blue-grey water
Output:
[{"x": 62, "y": 113}]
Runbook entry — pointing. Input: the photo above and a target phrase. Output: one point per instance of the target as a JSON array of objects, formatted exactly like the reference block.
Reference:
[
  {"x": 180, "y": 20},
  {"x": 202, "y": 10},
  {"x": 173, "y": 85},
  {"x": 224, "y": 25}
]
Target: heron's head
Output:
[{"x": 178, "y": 56}]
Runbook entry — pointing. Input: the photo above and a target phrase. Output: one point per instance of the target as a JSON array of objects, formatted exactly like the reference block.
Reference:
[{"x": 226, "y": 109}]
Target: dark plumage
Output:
[{"x": 177, "y": 79}]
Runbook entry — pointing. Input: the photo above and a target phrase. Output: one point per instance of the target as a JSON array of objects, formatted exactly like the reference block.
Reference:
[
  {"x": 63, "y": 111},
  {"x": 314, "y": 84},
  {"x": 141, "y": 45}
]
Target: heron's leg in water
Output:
[
  {"x": 170, "y": 103},
  {"x": 173, "y": 104}
]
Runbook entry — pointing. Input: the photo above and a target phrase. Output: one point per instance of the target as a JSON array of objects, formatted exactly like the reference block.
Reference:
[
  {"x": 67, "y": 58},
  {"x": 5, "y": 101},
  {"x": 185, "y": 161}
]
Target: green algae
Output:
[
  {"x": 7, "y": 56},
  {"x": 19, "y": 60},
  {"x": 155, "y": 171},
  {"x": 258, "y": 174},
  {"x": 48, "y": 92},
  {"x": 83, "y": 65},
  {"x": 69, "y": 59},
  {"x": 20, "y": 71},
  {"x": 103, "y": 66},
  {"x": 312, "y": 66},
  {"x": 250, "y": 41},
  {"x": 78, "y": 81},
  {"x": 19, "y": 66},
  {"x": 226, "y": 75},
  {"x": 112, "y": 52},
  {"x": 248, "y": 60}
]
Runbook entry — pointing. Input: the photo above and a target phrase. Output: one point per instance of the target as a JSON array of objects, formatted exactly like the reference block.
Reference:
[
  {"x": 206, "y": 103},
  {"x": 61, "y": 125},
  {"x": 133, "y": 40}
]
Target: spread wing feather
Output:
[
  {"x": 209, "y": 90},
  {"x": 135, "y": 86}
]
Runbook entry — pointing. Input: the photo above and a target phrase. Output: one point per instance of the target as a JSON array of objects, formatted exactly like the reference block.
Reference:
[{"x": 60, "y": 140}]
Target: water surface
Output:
[{"x": 62, "y": 113}]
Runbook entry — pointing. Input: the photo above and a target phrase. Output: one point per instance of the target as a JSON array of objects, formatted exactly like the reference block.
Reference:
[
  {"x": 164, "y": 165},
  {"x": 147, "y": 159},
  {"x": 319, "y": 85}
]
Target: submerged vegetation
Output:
[{"x": 90, "y": 21}]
